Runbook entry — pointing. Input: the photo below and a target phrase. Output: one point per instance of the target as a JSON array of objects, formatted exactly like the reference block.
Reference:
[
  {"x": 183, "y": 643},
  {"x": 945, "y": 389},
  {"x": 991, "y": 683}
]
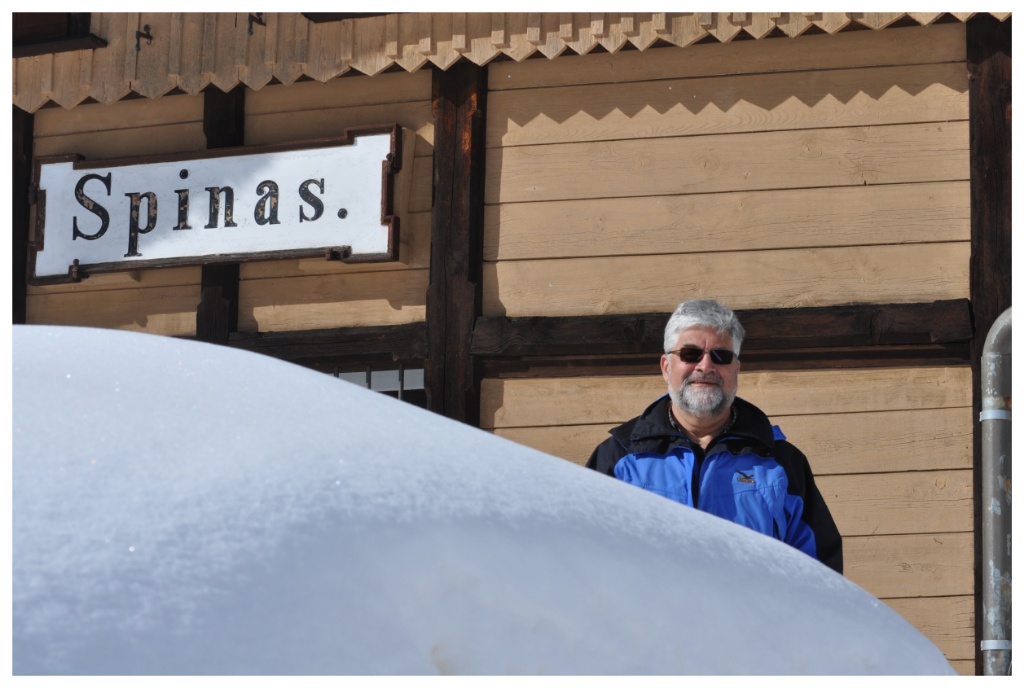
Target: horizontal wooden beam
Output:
[
  {"x": 322, "y": 17},
  {"x": 937, "y": 333},
  {"x": 400, "y": 342},
  {"x": 796, "y": 359},
  {"x": 937, "y": 325},
  {"x": 61, "y": 45},
  {"x": 938, "y": 322}
]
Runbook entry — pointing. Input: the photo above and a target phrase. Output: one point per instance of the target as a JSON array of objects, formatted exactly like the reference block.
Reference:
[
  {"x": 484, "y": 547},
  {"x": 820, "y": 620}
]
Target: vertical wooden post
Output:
[
  {"x": 217, "y": 313},
  {"x": 988, "y": 64},
  {"x": 21, "y": 176},
  {"x": 451, "y": 375}
]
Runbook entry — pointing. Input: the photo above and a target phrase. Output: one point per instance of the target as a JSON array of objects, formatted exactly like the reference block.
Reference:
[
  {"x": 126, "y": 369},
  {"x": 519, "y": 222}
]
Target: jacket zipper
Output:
[{"x": 698, "y": 462}]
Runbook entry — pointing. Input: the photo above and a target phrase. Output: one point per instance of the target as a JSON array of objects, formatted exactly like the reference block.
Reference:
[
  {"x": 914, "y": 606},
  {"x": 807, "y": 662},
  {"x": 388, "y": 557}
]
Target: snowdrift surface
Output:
[{"x": 181, "y": 508}]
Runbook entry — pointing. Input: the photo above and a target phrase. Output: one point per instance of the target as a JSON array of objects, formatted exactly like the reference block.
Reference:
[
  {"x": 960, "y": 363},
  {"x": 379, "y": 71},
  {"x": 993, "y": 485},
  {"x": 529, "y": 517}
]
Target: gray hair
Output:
[{"x": 704, "y": 313}]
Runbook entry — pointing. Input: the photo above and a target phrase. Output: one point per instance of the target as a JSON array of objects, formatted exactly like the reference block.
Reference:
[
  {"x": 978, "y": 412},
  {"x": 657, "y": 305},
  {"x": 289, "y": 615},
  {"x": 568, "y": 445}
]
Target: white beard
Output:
[{"x": 702, "y": 401}]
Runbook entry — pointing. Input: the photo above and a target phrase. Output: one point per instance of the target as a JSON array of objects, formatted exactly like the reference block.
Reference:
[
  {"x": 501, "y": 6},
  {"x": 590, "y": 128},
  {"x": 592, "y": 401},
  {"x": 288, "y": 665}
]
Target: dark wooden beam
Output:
[
  {"x": 451, "y": 374},
  {"x": 224, "y": 117},
  {"x": 43, "y": 33},
  {"x": 989, "y": 71},
  {"x": 64, "y": 45},
  {"x": 217, "y": 313},
  {"x": 779, "y": 330},
  {"x": 323, "y": 17},
  {"x": 796, "y": 359},
  {"x": 22, "y": 124},
  {"x": 399, "y": 342},
  {"x": 988, "y": 63}
]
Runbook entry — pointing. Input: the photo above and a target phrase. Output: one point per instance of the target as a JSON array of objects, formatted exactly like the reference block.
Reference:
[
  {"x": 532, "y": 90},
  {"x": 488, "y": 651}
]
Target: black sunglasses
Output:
[{"x": 694, "y": 355}]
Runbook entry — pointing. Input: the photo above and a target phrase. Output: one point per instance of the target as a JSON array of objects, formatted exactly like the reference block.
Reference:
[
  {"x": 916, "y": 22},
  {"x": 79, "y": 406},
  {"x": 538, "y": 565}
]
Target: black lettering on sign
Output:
[
  {"x": 229, "y": 206},
  {"x": 182, "y": 209},
  {"x": 182, "y": 204},
  {"x": 314, "y": 201},
  {"x": 92, "y": 206},
  {"x": 133, "y": 220},
  {"x": 270, "y": 197}
]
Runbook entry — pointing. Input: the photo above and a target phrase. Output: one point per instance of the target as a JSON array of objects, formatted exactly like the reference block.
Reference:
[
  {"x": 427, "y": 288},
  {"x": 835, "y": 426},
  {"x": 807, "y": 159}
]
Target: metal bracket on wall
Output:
[{"x": 139, "y": 35}]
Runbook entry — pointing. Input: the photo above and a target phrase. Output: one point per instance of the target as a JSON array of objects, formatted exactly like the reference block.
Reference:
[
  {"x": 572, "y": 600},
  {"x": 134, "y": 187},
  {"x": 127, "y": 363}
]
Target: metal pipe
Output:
[{"x": 996, "y": 478}]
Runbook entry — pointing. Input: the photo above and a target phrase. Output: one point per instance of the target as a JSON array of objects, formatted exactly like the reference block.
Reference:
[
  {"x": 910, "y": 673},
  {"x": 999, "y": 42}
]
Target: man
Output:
[{"x": 702, "y": 446}]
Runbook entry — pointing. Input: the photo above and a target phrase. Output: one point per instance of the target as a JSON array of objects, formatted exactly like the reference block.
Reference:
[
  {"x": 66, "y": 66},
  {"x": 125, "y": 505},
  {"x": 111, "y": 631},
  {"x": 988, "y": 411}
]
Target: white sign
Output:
[{"x": 332, "y": 197}]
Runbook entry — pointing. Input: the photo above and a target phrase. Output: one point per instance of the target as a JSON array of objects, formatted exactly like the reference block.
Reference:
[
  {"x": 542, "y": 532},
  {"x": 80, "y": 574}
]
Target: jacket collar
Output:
[{"x": 751, "y": 423}]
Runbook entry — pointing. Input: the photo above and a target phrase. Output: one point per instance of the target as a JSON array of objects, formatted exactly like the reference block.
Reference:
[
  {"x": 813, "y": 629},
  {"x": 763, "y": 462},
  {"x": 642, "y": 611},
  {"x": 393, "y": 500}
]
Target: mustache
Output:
[{"x": 703, "y": 377}]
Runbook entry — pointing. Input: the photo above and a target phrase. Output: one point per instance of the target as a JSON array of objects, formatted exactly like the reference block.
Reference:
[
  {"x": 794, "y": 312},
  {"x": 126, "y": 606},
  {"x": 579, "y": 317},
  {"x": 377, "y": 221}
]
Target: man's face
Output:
[{"x": 703, "y": 389}]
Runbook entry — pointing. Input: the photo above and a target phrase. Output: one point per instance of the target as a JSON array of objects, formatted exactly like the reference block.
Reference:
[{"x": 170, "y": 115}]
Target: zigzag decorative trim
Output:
[{"x": 190, "y": 51}]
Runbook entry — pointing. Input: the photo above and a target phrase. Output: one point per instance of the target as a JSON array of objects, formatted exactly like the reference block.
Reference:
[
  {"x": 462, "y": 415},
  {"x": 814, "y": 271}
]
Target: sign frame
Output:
[{"x": 391, "y": 195}]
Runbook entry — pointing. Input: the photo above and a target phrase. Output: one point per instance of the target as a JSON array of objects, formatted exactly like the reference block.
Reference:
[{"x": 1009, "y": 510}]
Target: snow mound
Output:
[{"x": 184, "y": 508}]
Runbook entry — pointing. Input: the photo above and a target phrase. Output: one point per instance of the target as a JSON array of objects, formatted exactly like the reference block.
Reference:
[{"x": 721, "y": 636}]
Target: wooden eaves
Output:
[{"x": 153, "y": 54}]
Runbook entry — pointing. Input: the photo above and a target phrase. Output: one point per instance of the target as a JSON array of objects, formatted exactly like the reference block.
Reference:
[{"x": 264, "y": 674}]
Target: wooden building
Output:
[{"x": 842, "y": 180}]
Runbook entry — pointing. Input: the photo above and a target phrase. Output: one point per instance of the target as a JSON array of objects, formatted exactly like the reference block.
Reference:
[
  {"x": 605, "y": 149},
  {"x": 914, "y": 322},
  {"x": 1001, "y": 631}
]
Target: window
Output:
[{"x": 404, "y": 383}]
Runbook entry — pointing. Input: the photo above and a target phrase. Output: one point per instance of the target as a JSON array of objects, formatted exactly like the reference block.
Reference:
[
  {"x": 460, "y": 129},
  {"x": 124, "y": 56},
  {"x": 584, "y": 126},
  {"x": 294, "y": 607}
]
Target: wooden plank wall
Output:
[
  {"x": 775, "y": 173},
  {"x": 812, "y": 171},
  {"x": 289, "y": 295},
  {"x": 157, "y": 301}
]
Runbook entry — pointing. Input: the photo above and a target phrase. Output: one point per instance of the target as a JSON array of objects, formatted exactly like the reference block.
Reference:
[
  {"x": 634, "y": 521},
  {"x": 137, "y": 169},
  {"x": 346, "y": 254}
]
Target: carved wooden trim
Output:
[{"x": 409, "y": 41}]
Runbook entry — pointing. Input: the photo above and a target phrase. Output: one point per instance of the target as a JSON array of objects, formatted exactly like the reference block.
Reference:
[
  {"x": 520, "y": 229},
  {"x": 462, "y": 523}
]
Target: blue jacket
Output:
[{"x": 751, "y": 476}]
